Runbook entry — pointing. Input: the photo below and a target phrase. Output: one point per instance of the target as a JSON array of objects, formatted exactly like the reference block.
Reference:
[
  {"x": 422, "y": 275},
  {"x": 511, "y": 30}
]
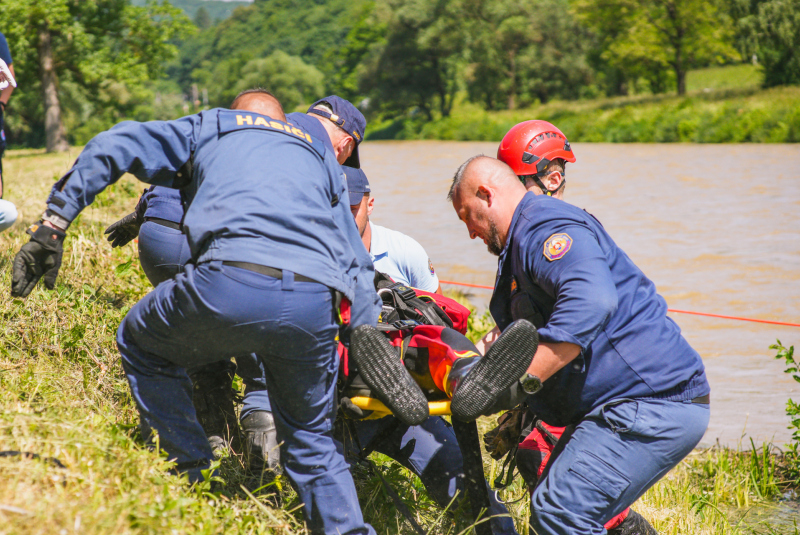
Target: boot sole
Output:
[
  {"x": 503, "y": 364},
  {"x": 383, "y": 371}
]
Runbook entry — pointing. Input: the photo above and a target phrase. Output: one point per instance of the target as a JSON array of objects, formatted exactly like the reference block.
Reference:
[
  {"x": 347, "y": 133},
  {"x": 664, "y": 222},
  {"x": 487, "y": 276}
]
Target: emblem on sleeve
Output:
[
  {"x": 430, "y": 267},
  {"x": 513, "y": 284},
  {"x": 557, "y": 246}
]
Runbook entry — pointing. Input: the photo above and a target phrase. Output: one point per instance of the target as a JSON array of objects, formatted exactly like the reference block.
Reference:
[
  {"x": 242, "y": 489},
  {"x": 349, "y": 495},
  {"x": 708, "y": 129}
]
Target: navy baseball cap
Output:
[
  {"x": 348, "y": 118},
  {"x": 357, "y": 184}
]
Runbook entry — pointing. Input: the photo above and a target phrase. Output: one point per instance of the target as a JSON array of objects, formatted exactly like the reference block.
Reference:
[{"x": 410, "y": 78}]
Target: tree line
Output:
[{"x": 110, "y": 60}]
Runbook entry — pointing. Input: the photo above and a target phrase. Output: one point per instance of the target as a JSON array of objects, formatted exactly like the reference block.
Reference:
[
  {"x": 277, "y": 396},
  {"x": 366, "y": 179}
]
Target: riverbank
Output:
[
  {"x": 63, "y": 395},
  {"x": 707, "y": 115}
]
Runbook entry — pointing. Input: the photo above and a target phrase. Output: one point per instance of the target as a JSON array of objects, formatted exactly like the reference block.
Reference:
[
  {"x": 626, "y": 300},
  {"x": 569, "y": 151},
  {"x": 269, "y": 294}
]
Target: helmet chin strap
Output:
[
  {"x": 538, "y": 181},
  {"x": 544, "y": 189}
]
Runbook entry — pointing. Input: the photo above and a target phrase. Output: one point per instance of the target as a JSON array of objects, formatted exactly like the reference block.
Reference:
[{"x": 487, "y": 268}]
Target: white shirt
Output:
[{"x": 402, "y": 258}]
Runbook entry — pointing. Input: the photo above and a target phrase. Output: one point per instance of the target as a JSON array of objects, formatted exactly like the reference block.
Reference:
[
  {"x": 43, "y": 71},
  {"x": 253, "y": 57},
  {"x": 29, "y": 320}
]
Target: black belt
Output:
[
  {"x": 265, "y": 270},
  {"x": 704, "y": 400},
  {"x": 164, "y": 222}
]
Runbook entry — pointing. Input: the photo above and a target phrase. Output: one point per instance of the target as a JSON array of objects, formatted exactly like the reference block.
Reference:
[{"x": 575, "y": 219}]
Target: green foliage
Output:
[
  {"x": 520, "y": 52},
  {"x": 771, "y": 116},
  {"x": 657, "y": 39},
  {"x": 216, "y": 10},
  {"x": 792, "y": 411},
  {"x": 778, "y": 38},
  {"x": 105, "y": 54},
  {"x": 288, "y": 77}
]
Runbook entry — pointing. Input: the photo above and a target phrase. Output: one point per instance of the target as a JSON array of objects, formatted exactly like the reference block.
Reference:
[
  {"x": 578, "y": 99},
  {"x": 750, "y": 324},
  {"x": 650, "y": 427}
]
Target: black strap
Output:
[
  {"x": 468, "y": 441},
  {"x": 265, "y": 270},
  {"x": 29, "y": 455},
  {"x": 398, "y": 502},
  {"x": 363, "y": 454},
  {"x": 510, "y": 462},
  {"x": 164, "y": 223},
  {"x": 544, "y": 189}
]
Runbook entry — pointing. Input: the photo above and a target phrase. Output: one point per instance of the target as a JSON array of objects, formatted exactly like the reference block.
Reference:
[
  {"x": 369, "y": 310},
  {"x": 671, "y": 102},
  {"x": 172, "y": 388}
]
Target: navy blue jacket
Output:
[
  {"x": 563, "y": 271},
  {"x": 261, "y": 191},
  {"x": 166, "y": 203}
]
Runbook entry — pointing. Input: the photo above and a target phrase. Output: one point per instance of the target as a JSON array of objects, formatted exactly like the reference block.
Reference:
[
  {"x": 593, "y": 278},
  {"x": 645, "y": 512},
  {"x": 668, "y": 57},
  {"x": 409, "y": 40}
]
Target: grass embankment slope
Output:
[
  {"x": 63, "y": 395},
  {"x": 723, "y": 105}
]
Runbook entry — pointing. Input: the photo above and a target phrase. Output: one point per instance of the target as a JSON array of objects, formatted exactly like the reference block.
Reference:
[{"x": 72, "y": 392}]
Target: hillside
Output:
[{"x": 217, "y": 9}]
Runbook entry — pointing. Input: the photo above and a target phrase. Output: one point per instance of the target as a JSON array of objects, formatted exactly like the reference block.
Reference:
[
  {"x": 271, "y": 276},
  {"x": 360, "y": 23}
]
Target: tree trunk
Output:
[
  {"x": 680, "y": 75},
  {"x": 512, "y": 89},
  {"x": 55, "y": 136}
]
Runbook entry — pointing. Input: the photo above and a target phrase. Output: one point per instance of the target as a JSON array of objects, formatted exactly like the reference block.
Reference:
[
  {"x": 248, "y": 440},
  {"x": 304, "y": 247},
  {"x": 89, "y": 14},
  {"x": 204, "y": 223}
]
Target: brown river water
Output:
[{"x": 716, "y": 227}]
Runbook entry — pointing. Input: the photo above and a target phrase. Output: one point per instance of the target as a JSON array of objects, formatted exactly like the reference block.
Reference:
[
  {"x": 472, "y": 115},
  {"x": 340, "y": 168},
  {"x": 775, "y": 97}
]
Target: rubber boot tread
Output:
[
  {"x": 505, "y": 362},
  {"x": 382, "y": 370}
]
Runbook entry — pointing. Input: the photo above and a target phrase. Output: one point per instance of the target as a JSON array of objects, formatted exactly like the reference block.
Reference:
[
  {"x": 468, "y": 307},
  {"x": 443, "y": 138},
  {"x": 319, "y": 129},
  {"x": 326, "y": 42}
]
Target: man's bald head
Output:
[
  {"x": 487, "y": 171},
  {"x": 259, "y": 101},
  {"x": 485, "y": 193}
]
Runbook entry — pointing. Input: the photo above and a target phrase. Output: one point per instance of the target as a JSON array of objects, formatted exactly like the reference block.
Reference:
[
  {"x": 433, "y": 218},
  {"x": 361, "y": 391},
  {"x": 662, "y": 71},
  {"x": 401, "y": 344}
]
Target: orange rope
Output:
[{"x": 669, "y": 309}]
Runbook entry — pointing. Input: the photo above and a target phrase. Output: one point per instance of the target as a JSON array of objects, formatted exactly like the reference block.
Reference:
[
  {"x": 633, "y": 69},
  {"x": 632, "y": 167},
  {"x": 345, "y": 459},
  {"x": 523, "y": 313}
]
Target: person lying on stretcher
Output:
[{"x": 427, "y": 334}]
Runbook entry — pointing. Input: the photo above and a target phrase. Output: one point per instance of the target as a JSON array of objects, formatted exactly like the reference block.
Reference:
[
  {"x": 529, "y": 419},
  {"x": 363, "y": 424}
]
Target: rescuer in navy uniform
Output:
[
  {"x": 609, "y": 360},
  {"x": 272, "y": 249},
  {"x": 164, "y": 250}
]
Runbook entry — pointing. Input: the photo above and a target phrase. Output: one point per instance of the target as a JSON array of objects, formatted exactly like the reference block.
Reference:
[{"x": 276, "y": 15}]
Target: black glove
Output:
[
  {"x": 127, "y": 228},
  {"x": 40, "y": 256},
  {"x": 509, "y": 399},
  {"x": 351, "y": 411}
]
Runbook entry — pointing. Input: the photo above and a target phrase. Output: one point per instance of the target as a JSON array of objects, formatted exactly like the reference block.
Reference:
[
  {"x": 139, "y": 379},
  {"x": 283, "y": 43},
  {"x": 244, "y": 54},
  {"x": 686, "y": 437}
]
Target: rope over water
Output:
[{"x": 737, "y": 318}]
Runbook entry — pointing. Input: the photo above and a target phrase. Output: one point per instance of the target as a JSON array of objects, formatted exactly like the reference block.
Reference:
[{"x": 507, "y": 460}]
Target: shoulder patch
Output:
[
  {"x": 557, "y": 246},
  {"x": 513, "y": 284},
  {"x": 430, "y": 267}
]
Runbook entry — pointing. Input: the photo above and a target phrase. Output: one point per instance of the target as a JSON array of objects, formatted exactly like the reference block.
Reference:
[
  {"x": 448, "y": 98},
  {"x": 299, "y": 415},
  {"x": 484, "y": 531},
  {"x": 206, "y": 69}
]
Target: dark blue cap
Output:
[
  {"x": 357, "y": 184},
  {"x": 348, "y": 118}
]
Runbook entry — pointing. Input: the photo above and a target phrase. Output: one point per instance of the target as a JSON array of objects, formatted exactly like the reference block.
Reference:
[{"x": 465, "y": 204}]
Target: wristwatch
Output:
[{"x": 530, "y": 383}]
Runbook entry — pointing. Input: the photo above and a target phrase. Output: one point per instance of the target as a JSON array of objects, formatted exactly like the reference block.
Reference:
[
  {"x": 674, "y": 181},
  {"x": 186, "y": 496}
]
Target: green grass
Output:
[
  {"x": 723, "y": 105},
  {"x": 63, "y": 395},
  {"x": 744, "y": 76}
]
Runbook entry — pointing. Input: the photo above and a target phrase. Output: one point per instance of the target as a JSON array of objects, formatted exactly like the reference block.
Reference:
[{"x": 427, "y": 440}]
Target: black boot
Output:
[
  {"x": 213, "y": 398},
  {"x": 634, "y": 524},
  {"x": 261, "y": 443},
  {"x": 491, "y": 376},
  {"x": 382, "y": 370}
]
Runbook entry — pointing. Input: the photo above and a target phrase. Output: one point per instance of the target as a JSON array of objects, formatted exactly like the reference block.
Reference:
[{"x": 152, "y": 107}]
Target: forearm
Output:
[
  {"x": 551, "y": 357},
  {"x": 6, "y": 93},
  {"x": 488, "y": 339},
  {"x": 153, "y": 152}
]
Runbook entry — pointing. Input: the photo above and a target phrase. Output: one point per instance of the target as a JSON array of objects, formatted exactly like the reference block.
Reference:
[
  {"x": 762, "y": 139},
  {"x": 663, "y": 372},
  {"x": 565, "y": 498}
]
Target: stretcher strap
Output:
[{"x": 475, "y": 482}]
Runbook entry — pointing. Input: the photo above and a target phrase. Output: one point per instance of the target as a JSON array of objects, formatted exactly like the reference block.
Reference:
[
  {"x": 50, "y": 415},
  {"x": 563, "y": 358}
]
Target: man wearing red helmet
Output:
[{"x": 537, "y": 151}]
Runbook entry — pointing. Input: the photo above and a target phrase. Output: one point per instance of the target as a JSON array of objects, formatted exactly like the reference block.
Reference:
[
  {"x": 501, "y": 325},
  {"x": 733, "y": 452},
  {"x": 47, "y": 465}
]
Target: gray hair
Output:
[{"x": 459, "y": 176}]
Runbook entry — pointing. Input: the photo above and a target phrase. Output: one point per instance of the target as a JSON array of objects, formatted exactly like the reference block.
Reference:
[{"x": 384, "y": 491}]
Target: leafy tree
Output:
[
  {"x": 421, "y": 61},
  {"x": 94, "y": 54},
  {"x": 778, "y": 36},
  {"x": 520, "y": 52},
  {"x": 287, "y": 77},
  {"x": 650, "y": 37},
  {"x": 202, "y": 19}
]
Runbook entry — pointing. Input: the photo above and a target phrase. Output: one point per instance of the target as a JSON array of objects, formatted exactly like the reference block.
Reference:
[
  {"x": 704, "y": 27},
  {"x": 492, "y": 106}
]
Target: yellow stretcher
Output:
[{"x": 379, "y": 410}]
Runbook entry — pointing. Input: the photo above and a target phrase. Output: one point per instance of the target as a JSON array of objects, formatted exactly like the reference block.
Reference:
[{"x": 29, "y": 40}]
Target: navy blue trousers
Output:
[
  {"x": 616, "y": 453},
  {"x": 214, "y": 312}
]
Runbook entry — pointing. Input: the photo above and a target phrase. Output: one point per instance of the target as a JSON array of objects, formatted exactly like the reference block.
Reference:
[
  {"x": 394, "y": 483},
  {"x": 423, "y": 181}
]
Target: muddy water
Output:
[{"x": 717, "y": 227}]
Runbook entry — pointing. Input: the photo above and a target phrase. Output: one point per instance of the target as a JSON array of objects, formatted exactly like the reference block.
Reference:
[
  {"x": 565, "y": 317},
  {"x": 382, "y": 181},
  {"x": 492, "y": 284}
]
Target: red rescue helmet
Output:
[{"x": 529, "y": 147}]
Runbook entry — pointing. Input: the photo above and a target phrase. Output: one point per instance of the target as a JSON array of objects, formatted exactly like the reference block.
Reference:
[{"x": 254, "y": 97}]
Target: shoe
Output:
[
  {"x": 634, "y": 524},
  {"x": 213, "y": 398},
  {"x": 261, "y": 443},
  {"x": 475, "y": 391},
  {"x": 382, "y": 370}
]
